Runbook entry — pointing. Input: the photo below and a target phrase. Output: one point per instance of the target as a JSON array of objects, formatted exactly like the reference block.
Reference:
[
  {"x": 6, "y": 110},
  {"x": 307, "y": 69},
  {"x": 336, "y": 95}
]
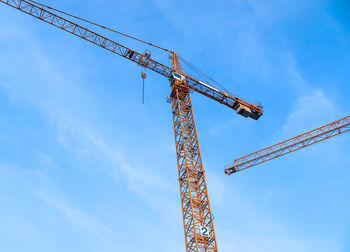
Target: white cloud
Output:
[
  {"x": 311, "y": 111},
  {"x": 34, "y": 183},
  {"x": 49, "y": 194},
  {"x": 249, "y": 228},
  {"x": 53, "y": 97},
  {"x": 271, "y": 11}
]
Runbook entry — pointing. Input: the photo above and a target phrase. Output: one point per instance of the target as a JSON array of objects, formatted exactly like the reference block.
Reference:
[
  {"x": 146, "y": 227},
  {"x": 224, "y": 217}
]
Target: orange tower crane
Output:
[
  {"x": 296, "y": 143},
  {"x": 197, "y": 216}
]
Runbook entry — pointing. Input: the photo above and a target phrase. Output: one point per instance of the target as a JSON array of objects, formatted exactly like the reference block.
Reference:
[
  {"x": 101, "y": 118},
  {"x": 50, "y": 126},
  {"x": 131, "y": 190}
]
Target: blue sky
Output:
[{"x": 84, "y": 166}]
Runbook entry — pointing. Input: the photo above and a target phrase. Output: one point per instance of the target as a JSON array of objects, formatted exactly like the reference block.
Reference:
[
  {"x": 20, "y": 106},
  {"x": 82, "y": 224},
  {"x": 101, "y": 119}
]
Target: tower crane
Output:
[
  {"x": 296, "y": 143},
  {"x": 197, "y": 215}
]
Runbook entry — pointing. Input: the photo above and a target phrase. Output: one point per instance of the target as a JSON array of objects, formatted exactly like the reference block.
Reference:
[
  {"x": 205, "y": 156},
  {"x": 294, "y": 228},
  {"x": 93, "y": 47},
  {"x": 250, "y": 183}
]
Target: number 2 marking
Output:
[{"x": 204, "y": 231}]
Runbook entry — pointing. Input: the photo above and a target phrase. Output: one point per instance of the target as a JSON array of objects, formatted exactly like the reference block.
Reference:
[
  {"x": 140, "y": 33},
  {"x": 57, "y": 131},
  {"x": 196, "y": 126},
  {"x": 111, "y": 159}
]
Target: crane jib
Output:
[
  {"x": 320, "y": 134},
  {"x": 86, "y": 34},
  {"x": 242, "y": 107}
]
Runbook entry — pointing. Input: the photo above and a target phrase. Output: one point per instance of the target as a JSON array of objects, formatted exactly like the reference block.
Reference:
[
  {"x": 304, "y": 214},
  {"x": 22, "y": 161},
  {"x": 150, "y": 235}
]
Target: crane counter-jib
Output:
[{"x": 242, "y": 107}]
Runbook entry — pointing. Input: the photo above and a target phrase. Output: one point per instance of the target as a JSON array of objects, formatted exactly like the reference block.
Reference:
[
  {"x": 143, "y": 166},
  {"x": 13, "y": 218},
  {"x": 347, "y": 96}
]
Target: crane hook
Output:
[{"x": 143, "y": 75}]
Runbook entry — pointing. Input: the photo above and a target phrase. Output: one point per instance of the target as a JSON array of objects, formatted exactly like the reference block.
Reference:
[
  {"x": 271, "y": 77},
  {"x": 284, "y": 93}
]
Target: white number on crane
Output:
[{"x": 205, "y": 231}]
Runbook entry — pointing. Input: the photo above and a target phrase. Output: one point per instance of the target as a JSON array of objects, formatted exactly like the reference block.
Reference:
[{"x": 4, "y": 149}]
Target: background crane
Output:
[
  {"x": 197, "y": 216},
  {"x": 296, "y": 143}
]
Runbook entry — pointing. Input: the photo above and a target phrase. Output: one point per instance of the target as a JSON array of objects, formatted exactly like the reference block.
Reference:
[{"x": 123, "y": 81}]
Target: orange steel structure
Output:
[
  {"x": 193, "y": 188},
  {"x": 291, "y": 145},
  {"x": 242, "y": 106},
  {"x": 197, "y": 216}
]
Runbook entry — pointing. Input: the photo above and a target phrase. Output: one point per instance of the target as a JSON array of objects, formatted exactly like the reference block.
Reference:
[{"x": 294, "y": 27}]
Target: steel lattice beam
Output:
[
  {"x": 143, "y": 60},
  {"x": 291, "y": 145},
  {"x": 193, "y": 188},
  {"x": 86, "y": 34}
]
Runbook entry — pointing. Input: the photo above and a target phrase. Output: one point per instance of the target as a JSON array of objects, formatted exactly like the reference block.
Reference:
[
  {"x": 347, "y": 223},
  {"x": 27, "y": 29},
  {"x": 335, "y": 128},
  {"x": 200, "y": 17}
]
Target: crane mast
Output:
[
  {"x": 296, "y": 143},
  {"x": 196, "y": 211}
]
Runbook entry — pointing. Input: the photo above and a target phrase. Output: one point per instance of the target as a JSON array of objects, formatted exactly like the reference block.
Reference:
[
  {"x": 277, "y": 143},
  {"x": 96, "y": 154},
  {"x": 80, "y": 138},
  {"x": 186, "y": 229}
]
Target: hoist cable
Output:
[{"x": 204, "y": 75}]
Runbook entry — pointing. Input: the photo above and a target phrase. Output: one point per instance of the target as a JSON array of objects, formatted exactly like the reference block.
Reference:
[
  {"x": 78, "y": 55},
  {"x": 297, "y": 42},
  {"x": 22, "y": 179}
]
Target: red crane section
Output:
[{"x": 291, "y": 145}]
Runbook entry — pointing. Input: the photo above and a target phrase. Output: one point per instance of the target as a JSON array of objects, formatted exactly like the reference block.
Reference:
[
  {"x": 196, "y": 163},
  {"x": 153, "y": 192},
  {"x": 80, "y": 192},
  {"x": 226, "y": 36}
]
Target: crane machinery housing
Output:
[{"x": 197, "y": 215}]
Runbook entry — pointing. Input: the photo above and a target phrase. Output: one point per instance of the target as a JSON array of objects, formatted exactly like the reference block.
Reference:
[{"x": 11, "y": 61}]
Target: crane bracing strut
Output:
[
  {"x": 317, "y": 135},
  {"x": 197, "y": 216}
]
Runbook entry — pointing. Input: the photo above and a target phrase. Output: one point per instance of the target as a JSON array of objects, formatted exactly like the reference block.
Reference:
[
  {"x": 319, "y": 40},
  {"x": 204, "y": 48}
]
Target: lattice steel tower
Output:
[{"x": 197, "y": 216}]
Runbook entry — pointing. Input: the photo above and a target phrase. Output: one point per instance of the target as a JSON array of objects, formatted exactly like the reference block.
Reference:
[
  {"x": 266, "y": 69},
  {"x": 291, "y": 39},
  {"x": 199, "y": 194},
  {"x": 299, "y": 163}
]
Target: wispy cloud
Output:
[
  {"x": 46, "y": 191},
  {"x": 310, "y": 111},
  {"x": 41, "y": 192},
  {"x": 253, "y": 228},
  {"x": 60, "y": 102}
]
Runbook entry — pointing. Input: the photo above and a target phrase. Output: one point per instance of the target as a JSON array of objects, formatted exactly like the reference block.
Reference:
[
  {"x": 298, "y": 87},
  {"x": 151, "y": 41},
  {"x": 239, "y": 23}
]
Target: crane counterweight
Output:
[{"x": 243, "y": 110}]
